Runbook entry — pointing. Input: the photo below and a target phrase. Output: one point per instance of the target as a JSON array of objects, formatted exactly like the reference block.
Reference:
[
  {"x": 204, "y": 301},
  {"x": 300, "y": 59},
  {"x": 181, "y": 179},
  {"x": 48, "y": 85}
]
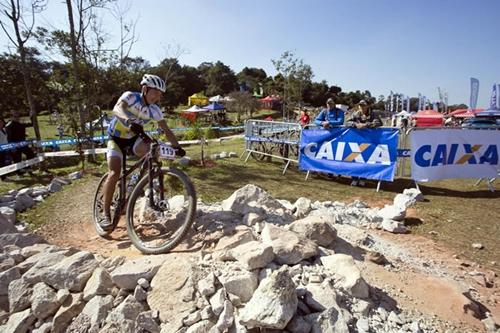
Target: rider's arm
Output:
[
  {"x": 119, "y": 110},
  {"x": 168, "y": 132}
]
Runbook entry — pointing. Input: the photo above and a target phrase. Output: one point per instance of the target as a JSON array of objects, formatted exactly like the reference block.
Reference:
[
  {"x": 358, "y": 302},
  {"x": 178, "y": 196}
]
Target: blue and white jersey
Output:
[{"x": 136, "y": 110}]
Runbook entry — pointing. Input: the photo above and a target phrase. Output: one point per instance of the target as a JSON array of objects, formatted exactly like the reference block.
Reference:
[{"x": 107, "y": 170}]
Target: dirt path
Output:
[{"x": 435, "y": 289}]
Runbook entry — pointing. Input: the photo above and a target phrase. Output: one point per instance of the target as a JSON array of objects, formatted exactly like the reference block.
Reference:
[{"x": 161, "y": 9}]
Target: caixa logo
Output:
[
  {"x": 349, "y": 152},
  {"x": 446, "y": 154}
]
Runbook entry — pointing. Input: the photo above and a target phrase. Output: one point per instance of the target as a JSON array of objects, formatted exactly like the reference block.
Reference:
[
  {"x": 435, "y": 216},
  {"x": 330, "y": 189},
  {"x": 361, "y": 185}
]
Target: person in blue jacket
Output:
[{"x": 330, "y": 116}]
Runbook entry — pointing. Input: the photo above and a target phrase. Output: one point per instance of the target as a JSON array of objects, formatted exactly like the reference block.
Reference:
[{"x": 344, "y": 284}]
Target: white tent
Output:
[
  {"x": 216, "y": 99},
  {"x": 196, "y": 108},
  {"x": 403, "y": 114}
]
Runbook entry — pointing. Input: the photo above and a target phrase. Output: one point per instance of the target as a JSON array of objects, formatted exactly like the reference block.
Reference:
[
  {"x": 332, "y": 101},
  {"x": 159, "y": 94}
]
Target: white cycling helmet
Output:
[{"x": 153, "y": 81}]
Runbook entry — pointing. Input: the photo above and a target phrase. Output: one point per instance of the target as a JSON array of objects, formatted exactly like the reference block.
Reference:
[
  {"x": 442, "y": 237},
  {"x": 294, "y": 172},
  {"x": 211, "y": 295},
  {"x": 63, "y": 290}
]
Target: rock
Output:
[
  {"x": 20, "y": 240},
  {"x": 298, "y": 325},
  {"x": 206, "y": 286},
  {"x": 9, "y": 214},
  {"x": 100, "y": 283},
  {"x": 251, "y": 218},
  {"x": 273, "y": 303},
  {"x": 24, "y": 202},
  {"x": 302, "y": 207},
  {"x": 226, "y": 318},
  {"x": 6, "y": 227},
  {"x": 315, "y": 228},
  {"x": 19, "y": 295},
  {"x": 71, "y": 307},
  {"x": 203, "y": 326},
  {"x": 44, "y": 328},
  {"x": 331, "y": 320},
  {"x": 253, "y": 254},
  {"x": 239, "y": 282},
  {"x": 391, "y": 212},
  {"x": 6, "y": 261},
  {"x": 394, "y": 227},
  {"x": 217, "y": 301},
  {"x": 40, "y": 191},
  {"x": 320, "y": 297},
  {"x": 140, "y": 294},
  {"x": 351, "y": 279},
  {"x": 185, "y": 161},
  {"x": 43, "y": 301},
  {"x": 32, "y": 250},
  {"x": 111, "y": 263},
  {"x": 147, "y": 322},
  {"x": 19, "y": 322},
  {"x": 71, "y": 273},
  {"x": 35, "y": 266},
  {"x": 7, "y": 277},
  {"x": 129, "y": 309},
  {"x": 167, "y": 288},
  {"x": 54, "y": 187},
  {"x": 376, "y": 257},
  {"x": 477, "y": 246},
  {"x": 242, "y": 235},
  {"x": 414, "y": 193},
  {"x": 192, "y": 318},
  {"x": 288, "y": 246},
  {"x": 126, "y": 275},
  {"x": 403, "y": 201},
  {"x": 240, "y": 199},
  {"x": 75, "y": 175},
  {"x": 97, "y": 309},
  {"x": 362, "y": 325},
  {"x": 62, "y": 181},
  {"x": 143, "y": 283}
]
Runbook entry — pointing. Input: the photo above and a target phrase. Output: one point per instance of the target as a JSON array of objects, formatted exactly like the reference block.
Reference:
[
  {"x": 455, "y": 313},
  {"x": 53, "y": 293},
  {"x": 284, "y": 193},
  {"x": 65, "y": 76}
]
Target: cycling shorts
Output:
[{"x": 118, "y": 146}]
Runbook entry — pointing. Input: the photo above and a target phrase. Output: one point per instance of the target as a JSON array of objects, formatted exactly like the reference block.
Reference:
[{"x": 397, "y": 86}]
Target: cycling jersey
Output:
[{"x": 142, "y": 114}]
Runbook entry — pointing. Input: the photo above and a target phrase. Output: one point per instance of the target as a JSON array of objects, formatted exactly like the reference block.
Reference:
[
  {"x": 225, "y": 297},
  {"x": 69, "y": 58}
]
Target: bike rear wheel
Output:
[
  {"x": 155, "y": 230},
  {"x": 98, "y": 207}
]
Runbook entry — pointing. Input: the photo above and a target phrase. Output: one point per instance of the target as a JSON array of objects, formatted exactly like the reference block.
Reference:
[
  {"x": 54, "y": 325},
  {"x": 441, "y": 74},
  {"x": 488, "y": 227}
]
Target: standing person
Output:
[
  {"x": 3, "y": 153},
  {"x": 131, "y": 112},
  {"x": 16, "y": 132},
  {"x": 360, "y": 119},
  {"x": 330, "y": 116},
  {"x": 304, "y": 118}
]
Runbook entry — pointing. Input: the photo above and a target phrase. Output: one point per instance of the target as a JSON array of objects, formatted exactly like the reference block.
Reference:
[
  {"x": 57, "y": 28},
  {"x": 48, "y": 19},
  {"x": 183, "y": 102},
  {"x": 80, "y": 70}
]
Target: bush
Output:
[{"x": 193, "y": 133}]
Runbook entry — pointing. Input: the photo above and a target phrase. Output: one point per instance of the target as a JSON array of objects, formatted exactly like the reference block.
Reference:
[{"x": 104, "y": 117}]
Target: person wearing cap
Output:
[
  {"x": 362, "y": 118},
  {"x": 331, "y": 116}
]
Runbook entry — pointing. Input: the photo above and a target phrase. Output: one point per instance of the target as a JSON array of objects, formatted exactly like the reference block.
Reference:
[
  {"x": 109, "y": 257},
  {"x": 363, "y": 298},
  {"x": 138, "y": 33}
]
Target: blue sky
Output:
[{"x": 407, "y": 46}]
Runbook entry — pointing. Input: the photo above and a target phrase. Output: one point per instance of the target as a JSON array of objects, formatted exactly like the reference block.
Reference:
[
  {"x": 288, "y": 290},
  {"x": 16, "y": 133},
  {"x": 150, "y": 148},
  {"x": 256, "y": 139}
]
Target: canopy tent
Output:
[
  {"x": 463, "y": 111},
  {"x": 428, "y": 118},
  {"x": 489, "y": 113},
  {"x": 404, "y": 114},
  {"x": 214, "y": 106},
  {"x": 228, "y": 99},
  {"x": 216, "y": 99},
  {"x": 268, "y": 102},
  {"x": 197, "y": 99},
  {"x": 195, "y": 108},
  {"x": 467, "y": 114}
]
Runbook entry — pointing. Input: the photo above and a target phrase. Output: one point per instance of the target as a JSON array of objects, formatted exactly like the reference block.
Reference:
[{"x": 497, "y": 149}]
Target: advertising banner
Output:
[
  {"x": 454, "y": 153},
  {"x": 366, "y": 153}
]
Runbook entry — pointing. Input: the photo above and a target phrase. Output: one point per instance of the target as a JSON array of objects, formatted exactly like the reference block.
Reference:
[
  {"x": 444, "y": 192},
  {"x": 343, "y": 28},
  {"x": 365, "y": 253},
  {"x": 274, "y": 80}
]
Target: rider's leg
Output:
[
  {"x": 140, "y": 148},
  {"x": 114, "y": 157}
]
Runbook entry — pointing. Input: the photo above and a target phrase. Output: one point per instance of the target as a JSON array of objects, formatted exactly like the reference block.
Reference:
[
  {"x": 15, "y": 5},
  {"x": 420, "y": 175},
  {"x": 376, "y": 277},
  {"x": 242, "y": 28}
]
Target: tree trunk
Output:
[{"x": 74, "y": 61}]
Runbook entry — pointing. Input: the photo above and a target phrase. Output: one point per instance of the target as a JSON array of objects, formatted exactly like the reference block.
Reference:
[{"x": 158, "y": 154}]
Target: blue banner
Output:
[
  {"x": 367, "y": 153},
  {"x": 474, "y": 92}
]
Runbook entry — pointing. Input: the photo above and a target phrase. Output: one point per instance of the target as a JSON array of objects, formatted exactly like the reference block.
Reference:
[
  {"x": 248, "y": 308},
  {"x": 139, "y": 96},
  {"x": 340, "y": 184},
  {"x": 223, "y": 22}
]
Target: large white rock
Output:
[
  {"x": 126, "y": 275},
  {"x": 241, "y": 236},
  {"x": 253, "y": 254},
  {"x": 403, "y": 201},
  {"x": 19, "y": 295},
  {"x": 395, "y": 227},
  {"x": 7, "y": 277},
  {"x": 391, "y": 212},
  {"x": 167, "y": 288},
  {"x": 19, "y": 322},
  {"x": 43, "y": 301},
  {"x": 302, "y": 207},
  {"x": 239, "y": 282},
  {"x": 288, "y": 246},
  {"x": 71, "y": 273},
  {"x": 331, "y": 320},
  {"x": 321, "y": 296},
  {"x": 100, "y": 283},
  {"x": 315, "y": 228},
  {"x": 273, "y": 304},
  {"x": 414, "y": 193},
  {"x": 240, "y": 199},
  {"x": 70, "y": 308},
  {"x": 350, "y": 276},
  {"x": 129, "y": 309}
]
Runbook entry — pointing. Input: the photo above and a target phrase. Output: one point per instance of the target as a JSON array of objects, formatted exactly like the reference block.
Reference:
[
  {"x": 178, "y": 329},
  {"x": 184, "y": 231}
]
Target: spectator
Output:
[
  {"x": 3, "y": 140},
  {"x": 16, "y": 132},
  {"x": 304, "y": 118},
  {"x": 60, "y": 131},
  {"x": 330, "y": 116},
  {"x": 360, "y": 119}
]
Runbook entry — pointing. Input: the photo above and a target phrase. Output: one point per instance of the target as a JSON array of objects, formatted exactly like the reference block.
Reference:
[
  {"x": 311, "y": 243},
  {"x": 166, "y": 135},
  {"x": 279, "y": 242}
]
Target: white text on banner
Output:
[{"x": 454, "y": 153}]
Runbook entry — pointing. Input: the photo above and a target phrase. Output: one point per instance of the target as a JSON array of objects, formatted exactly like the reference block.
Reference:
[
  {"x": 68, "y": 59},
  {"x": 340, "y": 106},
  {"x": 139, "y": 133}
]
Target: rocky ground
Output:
[{"x": 251, "y": 264}]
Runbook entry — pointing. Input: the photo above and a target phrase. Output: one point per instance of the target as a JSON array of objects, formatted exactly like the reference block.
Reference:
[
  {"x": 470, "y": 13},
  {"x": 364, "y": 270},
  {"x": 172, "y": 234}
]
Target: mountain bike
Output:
[{"x": 159, "y": 201}]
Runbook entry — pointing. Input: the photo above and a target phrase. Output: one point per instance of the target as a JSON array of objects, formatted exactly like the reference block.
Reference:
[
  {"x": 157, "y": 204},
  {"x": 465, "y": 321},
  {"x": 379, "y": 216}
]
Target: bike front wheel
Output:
[{"x": 160, "y": 227}]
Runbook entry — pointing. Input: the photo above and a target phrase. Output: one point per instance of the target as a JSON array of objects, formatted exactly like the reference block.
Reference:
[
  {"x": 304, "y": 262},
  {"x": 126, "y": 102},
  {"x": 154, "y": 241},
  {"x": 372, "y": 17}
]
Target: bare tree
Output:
[
  {"x": 127, "y": 29},
  {"x": 172, "y": 51},
  {"x": 23, "y": 20}
]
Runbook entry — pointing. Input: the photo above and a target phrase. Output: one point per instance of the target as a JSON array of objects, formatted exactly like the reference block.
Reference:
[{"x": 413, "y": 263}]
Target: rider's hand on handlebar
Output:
[
  {"x": 180, "y": 152},
  {"x": 136, "y": 128}
]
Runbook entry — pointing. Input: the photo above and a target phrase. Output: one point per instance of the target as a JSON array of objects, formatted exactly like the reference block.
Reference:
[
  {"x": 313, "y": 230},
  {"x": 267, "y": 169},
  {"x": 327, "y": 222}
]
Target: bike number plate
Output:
[{"x": 166, "y": 152}]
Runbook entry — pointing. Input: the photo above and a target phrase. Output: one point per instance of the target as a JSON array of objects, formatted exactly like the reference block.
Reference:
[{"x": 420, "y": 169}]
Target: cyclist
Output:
[{"x": 131, "y": 112}]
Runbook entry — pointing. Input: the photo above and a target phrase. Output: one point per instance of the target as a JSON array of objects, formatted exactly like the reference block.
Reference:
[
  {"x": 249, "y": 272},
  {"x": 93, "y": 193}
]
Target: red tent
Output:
[
  {"x": 268, "y": 102},
  {"x": 458, "y": 112},
  {"x": 428, "y": 118}
]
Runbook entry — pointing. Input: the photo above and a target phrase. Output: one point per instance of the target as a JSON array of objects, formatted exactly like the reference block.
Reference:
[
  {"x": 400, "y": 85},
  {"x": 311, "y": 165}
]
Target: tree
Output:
[
  {"x": 252, "y": 77},
  {"x": 219, "y": 78},
  {"x": 297, "y": 75},
  {"x": 243, "y": 103},
  {"x": 23, "y": 29}
]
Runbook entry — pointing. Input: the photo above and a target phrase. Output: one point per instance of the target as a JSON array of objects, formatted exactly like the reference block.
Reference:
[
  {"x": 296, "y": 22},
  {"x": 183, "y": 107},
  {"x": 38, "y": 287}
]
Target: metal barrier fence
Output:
[{"x": 267, "y": 139}]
